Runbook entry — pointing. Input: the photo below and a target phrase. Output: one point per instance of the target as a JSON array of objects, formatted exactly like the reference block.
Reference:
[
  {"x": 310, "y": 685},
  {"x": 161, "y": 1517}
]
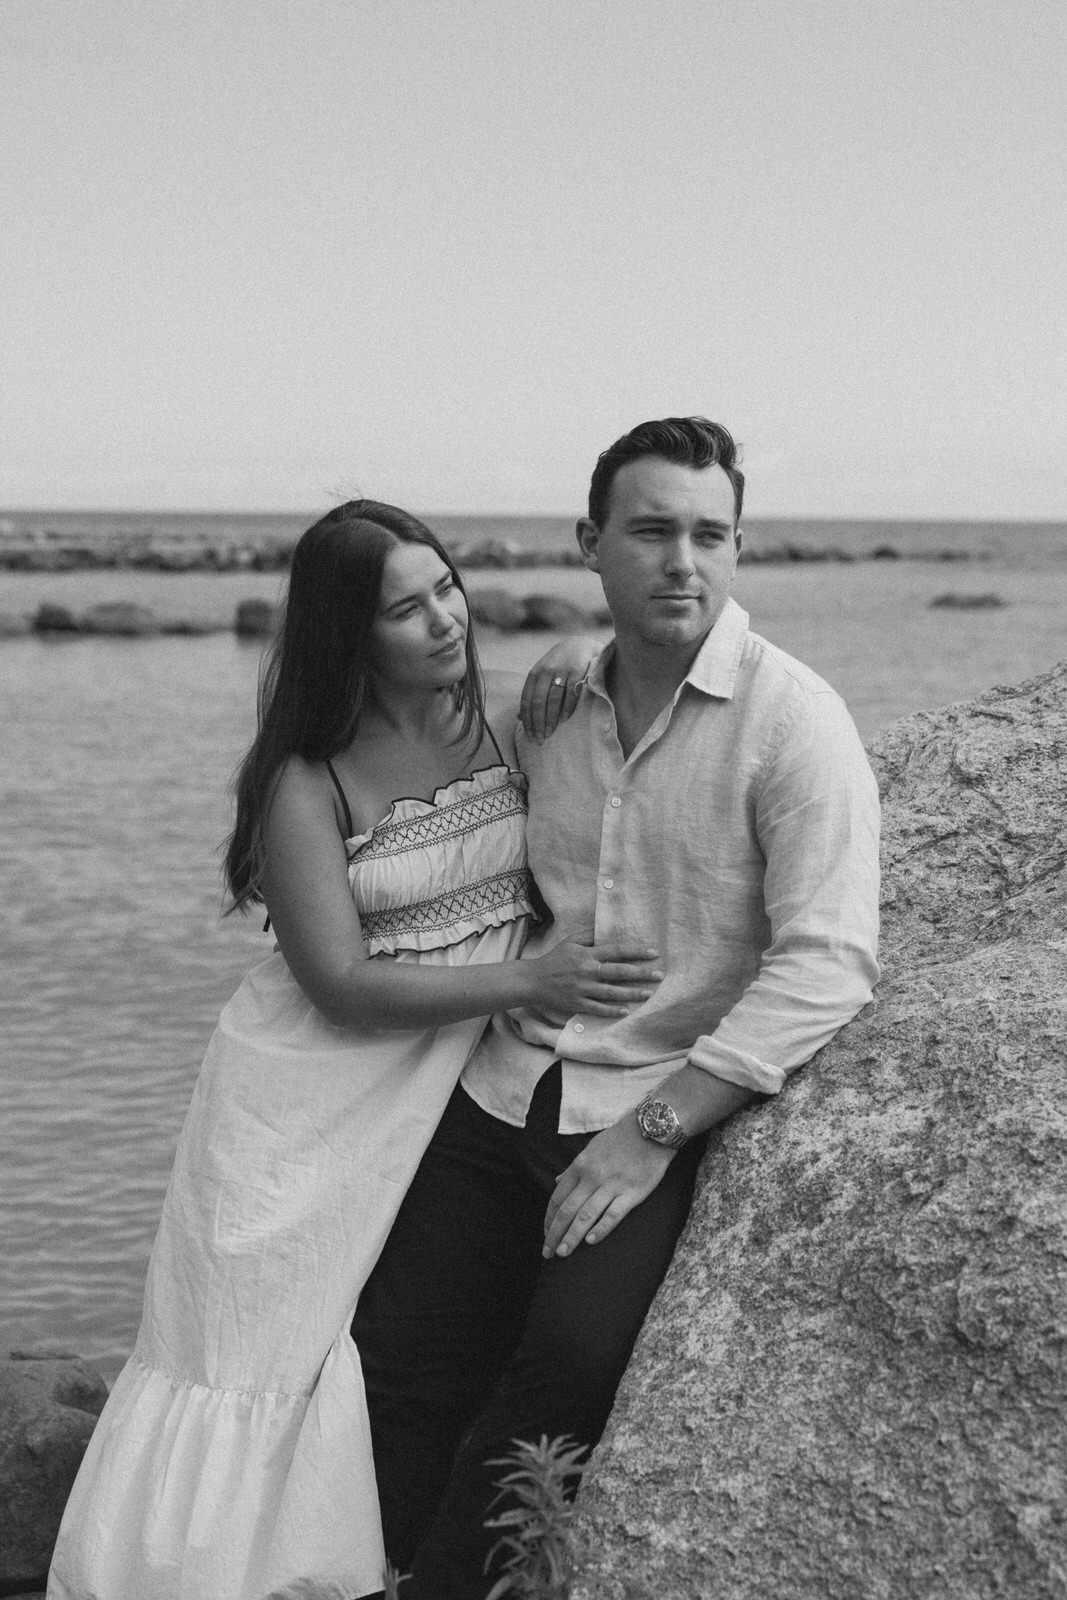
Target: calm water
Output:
[{"x": 116, "y": 760}]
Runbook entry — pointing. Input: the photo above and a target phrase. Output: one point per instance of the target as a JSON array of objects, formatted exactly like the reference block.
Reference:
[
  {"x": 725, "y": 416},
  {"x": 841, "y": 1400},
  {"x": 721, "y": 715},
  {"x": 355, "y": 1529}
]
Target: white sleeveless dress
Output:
[{"x": 233, "y": 1458}]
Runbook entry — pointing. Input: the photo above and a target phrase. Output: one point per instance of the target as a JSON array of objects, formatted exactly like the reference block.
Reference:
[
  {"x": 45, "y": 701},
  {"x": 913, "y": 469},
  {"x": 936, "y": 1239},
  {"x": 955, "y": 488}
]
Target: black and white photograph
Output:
[{"x": 533, "y": 713}]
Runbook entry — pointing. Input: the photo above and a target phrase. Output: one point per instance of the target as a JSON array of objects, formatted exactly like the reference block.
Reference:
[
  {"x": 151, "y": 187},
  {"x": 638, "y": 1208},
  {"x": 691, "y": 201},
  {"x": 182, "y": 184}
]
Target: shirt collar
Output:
[{"x": 714, "y": 668}]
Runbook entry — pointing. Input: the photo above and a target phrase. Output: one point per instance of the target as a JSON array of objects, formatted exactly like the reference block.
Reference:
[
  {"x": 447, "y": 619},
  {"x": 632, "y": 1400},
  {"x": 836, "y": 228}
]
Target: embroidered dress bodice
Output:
[
  {"x": 233, "y": 1459},
  {"x": 435, "y": 871}
]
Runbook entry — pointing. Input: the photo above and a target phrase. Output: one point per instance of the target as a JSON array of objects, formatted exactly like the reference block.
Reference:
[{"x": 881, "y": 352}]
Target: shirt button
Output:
[
  {"x": 579, "y": 1027},
  {"x": 616, "y": 802},
  {"x": 609, "y": 883}
]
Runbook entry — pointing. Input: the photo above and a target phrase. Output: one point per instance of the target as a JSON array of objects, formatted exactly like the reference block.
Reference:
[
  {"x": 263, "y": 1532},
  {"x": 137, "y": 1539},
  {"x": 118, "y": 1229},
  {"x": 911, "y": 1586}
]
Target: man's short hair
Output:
[{"x": 689, "y": 441}]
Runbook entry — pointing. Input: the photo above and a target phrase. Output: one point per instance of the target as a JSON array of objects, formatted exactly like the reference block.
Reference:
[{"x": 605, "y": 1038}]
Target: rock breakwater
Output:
[
  {"x": 258, "y": 618},
  {"x": 47, "y": 550},
  {"x": 853, "y": 1381}
]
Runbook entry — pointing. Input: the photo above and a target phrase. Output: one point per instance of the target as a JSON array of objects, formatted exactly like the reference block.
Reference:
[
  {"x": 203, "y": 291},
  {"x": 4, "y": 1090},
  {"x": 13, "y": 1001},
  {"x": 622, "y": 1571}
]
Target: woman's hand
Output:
[
  {"x": 597, "y": 980},
  {"x": 550, "y": 692}
]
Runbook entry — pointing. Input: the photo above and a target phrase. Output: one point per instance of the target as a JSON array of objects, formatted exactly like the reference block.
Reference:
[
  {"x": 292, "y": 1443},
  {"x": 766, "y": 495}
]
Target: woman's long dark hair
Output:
[{"x": 314, "y": 682}]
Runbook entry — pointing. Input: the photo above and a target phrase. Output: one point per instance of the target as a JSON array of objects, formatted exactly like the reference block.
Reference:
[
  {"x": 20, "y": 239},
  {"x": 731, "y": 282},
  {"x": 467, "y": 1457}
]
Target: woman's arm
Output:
[{"x": 305, "y": 885}]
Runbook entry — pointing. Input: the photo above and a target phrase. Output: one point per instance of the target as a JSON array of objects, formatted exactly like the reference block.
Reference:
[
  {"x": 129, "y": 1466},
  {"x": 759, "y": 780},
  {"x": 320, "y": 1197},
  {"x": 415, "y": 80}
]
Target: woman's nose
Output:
[{"x": 440, "y": 618}]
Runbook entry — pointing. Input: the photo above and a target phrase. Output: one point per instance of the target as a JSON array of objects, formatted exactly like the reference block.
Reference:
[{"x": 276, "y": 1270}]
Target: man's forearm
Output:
[{"x": 700, "y": 1100}]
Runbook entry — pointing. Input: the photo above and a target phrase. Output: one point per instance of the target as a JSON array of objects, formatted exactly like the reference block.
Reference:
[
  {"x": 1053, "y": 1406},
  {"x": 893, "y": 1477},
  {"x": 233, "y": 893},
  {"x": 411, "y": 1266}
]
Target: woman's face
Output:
[{"x": 419, "y": 637}]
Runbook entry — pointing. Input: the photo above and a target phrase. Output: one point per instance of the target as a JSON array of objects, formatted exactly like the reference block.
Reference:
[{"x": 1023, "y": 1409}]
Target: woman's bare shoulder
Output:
[{"x": 301, "y": 788}]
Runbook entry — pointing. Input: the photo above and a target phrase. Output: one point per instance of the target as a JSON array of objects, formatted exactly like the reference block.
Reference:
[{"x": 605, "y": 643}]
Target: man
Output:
[{"x": 708, "y": 798}]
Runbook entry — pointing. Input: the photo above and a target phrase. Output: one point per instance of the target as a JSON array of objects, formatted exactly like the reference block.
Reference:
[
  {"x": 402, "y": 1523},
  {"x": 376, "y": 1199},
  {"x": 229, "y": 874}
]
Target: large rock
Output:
[
  {"x": 49, "y": 1403},
  {"x": 123, "y": 618},
  {"x": 853, "y": 1384},
  {"x": 55, "y": 619},
  {"x": 255, "y": 619},
  {"x": 498, "y": 608},
  {"x": 552, "y": 612}
]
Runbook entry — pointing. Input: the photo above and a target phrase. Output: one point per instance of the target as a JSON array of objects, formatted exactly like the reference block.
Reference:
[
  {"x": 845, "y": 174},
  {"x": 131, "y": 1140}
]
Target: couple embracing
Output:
[{"x": 397, "y": 1237}]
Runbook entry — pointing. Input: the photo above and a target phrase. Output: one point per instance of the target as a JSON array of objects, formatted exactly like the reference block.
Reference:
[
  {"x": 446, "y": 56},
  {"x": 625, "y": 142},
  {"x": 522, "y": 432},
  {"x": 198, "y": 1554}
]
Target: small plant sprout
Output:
[{"x": 537, "y": 1538}]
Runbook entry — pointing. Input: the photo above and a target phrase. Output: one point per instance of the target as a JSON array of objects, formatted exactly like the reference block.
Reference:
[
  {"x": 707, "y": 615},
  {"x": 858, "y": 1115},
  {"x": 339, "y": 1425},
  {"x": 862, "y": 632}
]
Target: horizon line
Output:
[{"x": 303, "y": 514}]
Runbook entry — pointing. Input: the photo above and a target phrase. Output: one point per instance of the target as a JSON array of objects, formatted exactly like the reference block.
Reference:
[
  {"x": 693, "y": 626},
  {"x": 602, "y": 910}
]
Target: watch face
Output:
[{"x": 658, "y": 1121}]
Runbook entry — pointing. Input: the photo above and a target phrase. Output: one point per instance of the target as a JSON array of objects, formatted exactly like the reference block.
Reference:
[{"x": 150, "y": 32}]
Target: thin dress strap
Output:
[
  {"x": 496, "y": 747},
  {"x": 344, "y": 801}
]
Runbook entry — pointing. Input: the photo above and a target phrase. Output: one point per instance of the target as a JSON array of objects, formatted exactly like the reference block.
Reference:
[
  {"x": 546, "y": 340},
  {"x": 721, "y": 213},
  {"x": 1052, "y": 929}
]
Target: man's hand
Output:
[{"x": 614, "y": 1173}]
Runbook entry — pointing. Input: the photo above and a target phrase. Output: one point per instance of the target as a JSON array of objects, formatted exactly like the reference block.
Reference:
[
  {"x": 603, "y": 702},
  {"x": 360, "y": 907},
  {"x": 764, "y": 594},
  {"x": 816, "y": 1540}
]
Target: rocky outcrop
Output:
[
  {"x": 853, "y": 1384},
  {"x": 49, "y": 1403}
]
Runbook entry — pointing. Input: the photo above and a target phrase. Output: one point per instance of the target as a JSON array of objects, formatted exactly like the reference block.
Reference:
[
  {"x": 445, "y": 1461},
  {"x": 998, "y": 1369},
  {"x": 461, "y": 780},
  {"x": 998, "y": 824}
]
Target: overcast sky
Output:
[{"x": 445, "y": 251}]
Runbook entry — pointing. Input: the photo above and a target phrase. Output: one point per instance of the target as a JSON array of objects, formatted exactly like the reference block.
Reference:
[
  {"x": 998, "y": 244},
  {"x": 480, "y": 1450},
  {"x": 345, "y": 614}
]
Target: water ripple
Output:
[{"x": 115, "y": 959}]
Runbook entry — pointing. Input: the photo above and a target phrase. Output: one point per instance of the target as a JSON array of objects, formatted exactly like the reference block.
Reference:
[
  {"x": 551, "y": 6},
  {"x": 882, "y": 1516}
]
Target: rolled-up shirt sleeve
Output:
[{"x": 817, "y": 823}]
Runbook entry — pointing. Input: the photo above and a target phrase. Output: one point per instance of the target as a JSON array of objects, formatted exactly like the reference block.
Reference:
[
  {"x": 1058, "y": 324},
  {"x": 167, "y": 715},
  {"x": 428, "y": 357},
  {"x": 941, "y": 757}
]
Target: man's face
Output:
[{"x": 667, "y": 551}]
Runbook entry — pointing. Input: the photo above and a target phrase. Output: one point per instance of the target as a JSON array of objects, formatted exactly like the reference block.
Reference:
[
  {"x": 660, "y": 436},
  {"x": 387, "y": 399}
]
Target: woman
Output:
[{"x": 382, "y": 824}]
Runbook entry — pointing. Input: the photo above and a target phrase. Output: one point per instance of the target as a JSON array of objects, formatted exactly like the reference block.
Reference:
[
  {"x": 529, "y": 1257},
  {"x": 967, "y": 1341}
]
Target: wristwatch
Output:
[{"x": 658, "y": 1121}]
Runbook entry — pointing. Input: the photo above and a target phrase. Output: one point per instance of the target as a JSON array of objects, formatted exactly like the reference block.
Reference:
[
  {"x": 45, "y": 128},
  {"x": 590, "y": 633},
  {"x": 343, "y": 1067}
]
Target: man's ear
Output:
[
  {"x": 588, "y": 535},
  {"x": 739, "y": 539}
]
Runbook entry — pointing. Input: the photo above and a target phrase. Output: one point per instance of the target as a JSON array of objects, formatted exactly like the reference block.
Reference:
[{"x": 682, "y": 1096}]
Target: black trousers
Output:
[{"x": 469, "y": 1339}]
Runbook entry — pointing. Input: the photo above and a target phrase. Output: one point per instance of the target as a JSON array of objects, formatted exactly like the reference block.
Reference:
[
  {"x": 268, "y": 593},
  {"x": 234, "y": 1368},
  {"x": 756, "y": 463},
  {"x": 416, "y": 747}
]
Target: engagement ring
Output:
[{"x": 558, "y": 682}]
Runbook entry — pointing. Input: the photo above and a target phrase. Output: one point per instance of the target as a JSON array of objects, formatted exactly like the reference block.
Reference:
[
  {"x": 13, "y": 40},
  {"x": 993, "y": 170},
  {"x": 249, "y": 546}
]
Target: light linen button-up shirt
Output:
[{"x": 740, "y": 840}]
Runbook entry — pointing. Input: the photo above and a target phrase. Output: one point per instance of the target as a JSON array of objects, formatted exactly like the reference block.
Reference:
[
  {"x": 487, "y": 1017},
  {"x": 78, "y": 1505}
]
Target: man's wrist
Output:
[
  {"x": 658, "y": 1122},
  {"x": 700, "y": 1100}
]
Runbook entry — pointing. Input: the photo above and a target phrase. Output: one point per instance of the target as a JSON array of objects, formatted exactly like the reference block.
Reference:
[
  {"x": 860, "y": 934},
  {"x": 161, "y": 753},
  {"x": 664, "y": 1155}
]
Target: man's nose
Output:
[{"x": 680, "y": 558}]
